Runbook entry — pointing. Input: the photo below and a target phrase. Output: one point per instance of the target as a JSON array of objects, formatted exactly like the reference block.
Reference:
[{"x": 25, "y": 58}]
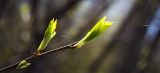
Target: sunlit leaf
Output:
[
  {"x": 49, "y": 34},
  {"x": 99, "y": 28}
]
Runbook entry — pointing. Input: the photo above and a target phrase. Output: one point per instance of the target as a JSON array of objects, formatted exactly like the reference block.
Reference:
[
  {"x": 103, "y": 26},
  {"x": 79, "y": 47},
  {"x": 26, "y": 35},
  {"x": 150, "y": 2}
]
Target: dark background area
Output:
[{"x": 130, "y": 45}]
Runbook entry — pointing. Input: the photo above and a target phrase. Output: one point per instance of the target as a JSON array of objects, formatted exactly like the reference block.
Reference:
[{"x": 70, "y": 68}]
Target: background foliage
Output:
[{"x": 131, "y": 45}]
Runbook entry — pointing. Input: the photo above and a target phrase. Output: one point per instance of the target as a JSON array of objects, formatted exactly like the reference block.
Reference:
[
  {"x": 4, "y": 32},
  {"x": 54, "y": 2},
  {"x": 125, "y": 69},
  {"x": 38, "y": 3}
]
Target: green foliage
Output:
[
  {"x": 23, "y": 64},
  {"x": 99, "y": 28},
  {"x": 49, "y": 34}
]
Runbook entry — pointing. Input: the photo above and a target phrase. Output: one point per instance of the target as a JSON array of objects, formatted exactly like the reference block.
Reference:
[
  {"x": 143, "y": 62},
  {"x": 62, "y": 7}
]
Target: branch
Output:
[{"x": 35, "y": 55}]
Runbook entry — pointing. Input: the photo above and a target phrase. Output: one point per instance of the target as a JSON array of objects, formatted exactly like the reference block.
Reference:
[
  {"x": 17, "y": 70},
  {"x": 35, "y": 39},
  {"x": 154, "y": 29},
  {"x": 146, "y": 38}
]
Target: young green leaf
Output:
[
  {"x": 99, "y": 28},
  {"x": 49, "y": 34},
  {"x": 23, "y": 64}
]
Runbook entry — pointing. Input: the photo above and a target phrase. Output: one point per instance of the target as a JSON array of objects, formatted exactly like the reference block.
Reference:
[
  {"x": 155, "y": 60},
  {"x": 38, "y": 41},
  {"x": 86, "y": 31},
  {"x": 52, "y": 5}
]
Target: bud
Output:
[{"x": 23, "y": 64}]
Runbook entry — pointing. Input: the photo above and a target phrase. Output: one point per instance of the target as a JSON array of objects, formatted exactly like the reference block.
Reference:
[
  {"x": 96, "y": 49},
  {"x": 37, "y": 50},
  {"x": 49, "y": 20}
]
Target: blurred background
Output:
[{"x": 130, "y": 45}]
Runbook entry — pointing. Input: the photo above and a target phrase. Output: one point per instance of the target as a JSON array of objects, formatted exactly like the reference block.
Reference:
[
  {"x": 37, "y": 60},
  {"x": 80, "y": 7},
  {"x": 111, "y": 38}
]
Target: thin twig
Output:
[{"x": 13, "y": 66}]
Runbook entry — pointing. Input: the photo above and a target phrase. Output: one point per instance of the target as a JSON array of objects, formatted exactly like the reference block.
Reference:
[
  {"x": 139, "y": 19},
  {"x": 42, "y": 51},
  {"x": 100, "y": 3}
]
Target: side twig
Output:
[{"x": 35, "y": 55}]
